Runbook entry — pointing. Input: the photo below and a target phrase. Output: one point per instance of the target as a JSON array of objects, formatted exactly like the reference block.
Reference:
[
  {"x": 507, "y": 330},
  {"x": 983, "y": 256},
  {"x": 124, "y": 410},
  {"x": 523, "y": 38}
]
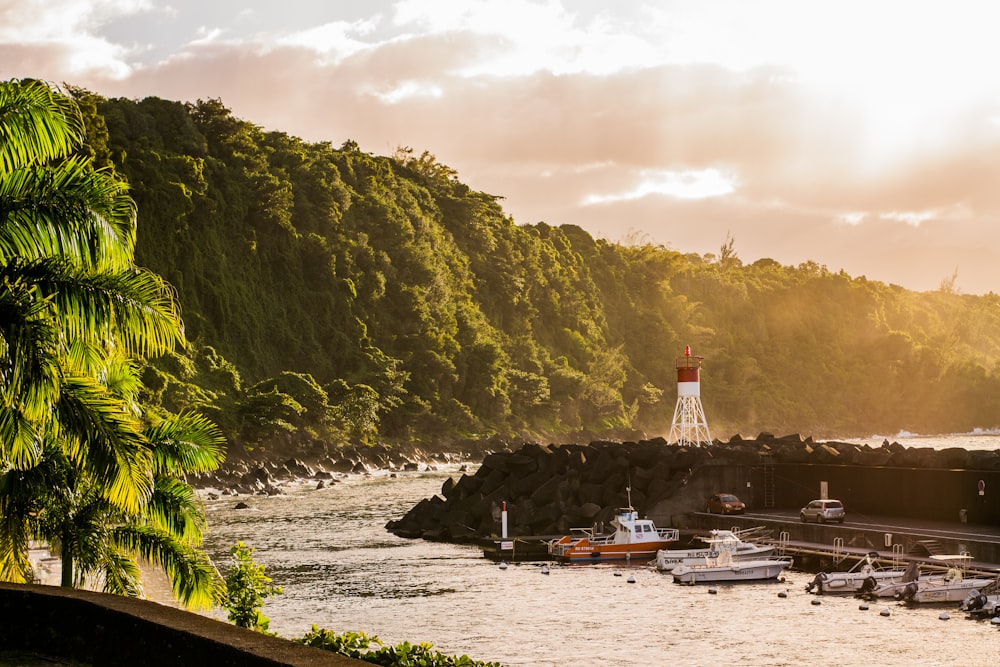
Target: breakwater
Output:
[{"x": 549, "y": 489}]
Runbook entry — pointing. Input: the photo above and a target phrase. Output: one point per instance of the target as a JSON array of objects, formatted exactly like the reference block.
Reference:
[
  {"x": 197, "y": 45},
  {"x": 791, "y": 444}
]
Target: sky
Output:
[{"x": 862, "y": 136}]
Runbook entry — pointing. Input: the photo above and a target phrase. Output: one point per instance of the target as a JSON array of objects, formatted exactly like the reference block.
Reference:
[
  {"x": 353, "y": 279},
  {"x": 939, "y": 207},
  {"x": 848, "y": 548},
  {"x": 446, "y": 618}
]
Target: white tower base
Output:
[{"x": 689, "y": 426}]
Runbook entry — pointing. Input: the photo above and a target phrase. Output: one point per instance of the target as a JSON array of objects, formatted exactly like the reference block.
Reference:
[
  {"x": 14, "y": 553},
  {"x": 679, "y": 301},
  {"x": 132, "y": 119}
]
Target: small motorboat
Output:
[
  {"x": 984, "y": 603},
  {"x": 718, "y": 541},
  {"x": 724, "y": 568},
  {"x": 866, "y": 574},
  {"x": 632, "y": 539},
  {"x": 950, "y": 586}
]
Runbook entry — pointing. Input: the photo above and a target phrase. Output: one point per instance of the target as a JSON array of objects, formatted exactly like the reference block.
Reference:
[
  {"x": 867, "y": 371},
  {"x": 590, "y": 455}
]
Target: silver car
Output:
[{"x": 822, "y": 511}]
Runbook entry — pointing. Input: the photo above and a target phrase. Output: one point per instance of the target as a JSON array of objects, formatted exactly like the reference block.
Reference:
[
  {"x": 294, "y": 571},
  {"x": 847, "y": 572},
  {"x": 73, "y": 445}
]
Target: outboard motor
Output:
[
  {"x": 867, "y": 586},
  {"x": 907, "y": 593},
  {"x": 974, "y": 601},
  {"x": 817, "y": 582}
]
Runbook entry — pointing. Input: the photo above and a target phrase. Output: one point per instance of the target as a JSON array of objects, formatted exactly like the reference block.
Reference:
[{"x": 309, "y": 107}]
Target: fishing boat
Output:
[
  {"x": 723, "y": 568},
  {"x": 952, "y": 585},
  {"x": 632, "y": 539},
  {"x": 734, "y": 542},
  {"x": 866, "y": 574}
]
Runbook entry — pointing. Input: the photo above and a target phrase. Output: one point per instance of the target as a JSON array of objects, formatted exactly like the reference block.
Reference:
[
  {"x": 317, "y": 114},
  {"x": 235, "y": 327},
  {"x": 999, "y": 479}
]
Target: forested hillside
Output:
[{"x": 334, "y": 295}]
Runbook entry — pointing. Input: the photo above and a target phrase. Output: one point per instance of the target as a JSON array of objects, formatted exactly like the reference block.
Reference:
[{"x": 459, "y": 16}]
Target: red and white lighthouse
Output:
[{"x": 689, "y": 426}]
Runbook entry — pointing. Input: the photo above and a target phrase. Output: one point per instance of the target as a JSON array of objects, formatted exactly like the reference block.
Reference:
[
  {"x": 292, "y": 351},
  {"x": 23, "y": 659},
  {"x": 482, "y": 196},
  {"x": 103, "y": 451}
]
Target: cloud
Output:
[{"x": 617, "y": 122}]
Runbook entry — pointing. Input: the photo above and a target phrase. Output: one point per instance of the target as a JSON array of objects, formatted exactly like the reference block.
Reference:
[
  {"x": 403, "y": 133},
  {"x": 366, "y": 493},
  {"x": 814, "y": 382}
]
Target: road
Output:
[{"x": 945, "y": 529}]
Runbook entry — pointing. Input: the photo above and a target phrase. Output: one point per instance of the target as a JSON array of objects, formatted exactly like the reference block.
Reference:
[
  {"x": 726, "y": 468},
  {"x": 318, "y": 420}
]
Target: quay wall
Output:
[
  {"x": 102, "y": 630},
  {"x": 933, "y": 494}
]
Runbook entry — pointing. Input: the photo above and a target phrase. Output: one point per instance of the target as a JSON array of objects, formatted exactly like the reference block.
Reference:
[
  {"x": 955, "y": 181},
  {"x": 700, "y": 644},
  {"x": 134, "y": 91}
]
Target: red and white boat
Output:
[{"x": 633, "y": 538}]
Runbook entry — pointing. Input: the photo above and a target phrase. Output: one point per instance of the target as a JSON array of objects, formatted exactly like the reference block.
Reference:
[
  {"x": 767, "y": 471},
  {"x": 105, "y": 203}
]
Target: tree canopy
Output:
[{"x": 340, "y": 296}]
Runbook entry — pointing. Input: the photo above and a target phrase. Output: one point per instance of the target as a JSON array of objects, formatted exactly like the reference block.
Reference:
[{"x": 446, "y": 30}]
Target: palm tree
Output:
[
  {"x": 73, "y": 451},
  {"x": 67, "y": 237},
  {"x": 98, "y": 542}
]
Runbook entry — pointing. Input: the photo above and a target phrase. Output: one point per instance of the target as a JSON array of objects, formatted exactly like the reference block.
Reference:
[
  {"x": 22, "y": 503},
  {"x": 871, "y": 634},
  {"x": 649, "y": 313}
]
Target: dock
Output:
[{"x": 818, "y": 547}]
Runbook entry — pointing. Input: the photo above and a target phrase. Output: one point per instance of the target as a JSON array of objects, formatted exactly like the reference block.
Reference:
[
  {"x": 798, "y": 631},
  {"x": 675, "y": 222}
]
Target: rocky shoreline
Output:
[{"x": 247, "y": 475}]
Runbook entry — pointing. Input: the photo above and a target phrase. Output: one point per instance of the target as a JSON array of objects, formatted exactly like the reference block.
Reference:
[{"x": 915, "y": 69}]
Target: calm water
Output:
[{"x": 342, "y": 571}]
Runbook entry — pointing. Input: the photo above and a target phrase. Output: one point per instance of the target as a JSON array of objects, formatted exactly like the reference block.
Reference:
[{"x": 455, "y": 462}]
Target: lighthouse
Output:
[{"x": 689, "y": 426}]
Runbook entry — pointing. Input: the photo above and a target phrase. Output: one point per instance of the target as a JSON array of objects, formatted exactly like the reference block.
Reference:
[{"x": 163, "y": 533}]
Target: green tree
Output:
[{"x": 246, "y": 589}]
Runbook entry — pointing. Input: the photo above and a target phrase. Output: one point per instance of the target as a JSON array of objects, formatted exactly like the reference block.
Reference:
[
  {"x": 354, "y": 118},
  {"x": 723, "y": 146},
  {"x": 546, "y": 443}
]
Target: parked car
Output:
[
  {"x": 822, "y": 511},
  {"x": 724, "y": 503}
]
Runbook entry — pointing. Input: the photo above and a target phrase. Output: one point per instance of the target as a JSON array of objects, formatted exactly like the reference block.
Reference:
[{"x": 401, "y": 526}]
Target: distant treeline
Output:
[{"x": 332, "y": 295}]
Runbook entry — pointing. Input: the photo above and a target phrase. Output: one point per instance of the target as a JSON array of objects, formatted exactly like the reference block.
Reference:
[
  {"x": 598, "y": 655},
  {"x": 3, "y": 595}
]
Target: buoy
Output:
[
  {"x": 884, "y": 612},
  {"x": 503, "y": 565},
  {"x": 631, "y": 579},
  {"x": 782, "y": 594},
  {"x": 713, "y": 590},
  {"x": 618, "y": 574},
  {"x": 863, "y": 607},
  {"x": 816, "y": 603},
  {"x": 995, "y": 620},
  {"x": 545, "y": 569},
  {"x": 944, "y": 616}
]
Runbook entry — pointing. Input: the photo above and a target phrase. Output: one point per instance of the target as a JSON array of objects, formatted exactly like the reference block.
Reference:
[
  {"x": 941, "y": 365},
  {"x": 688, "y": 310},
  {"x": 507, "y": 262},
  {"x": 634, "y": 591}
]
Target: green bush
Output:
[
  {"x": 371, "y": 649},
  {"x": 246, "y": 588}
]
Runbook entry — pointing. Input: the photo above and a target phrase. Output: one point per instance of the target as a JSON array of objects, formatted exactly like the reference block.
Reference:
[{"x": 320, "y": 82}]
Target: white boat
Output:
[
  {"x": 950, "y": 586},
  {"x": 863, "y": 576},
  {"x": 633, "y": 538},
  {"x": 723, "y": 568},
  {"x": 732, "y": 541}
]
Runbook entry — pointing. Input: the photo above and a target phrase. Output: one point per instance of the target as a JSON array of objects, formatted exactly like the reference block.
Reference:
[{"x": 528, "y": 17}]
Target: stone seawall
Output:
[
  {"x": 103, "y": 630},
  {"x": 549, "y": 489}
]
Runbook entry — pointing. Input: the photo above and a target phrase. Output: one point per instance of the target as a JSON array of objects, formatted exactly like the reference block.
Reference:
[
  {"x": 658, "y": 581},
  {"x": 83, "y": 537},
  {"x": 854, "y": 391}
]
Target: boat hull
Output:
[
  {"x": 737, "y": 571},
  {"x": 667, "y": 560},
  {"x": 853, "y": 582},
  {"x": 925, "y": 591},
  {"x": 585, "y": 552}
]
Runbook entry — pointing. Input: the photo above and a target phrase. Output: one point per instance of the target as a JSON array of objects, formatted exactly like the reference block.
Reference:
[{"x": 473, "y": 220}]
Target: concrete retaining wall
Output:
[{"x": 108, "y": 630}]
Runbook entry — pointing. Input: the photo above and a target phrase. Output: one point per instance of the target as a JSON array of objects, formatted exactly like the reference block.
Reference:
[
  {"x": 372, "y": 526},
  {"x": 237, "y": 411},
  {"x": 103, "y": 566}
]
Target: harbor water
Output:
[{"x": 341, "y": 570}]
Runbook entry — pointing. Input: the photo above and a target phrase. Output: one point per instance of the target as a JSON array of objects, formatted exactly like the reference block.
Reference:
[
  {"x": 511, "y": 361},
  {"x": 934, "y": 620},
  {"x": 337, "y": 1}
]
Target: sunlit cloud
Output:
[
  {"x": 912, "y": 218},
  {"x": 335, "y": 40},
  {"x": 407, "y": 90},
  {"x": 692, "y": 184},
  {"x": 854, "y": 218},
  {"x": 526, "y": 37}
]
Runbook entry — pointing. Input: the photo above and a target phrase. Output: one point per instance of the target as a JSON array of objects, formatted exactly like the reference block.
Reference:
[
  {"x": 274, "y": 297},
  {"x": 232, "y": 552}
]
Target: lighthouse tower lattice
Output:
[{"x": 689, "y": 426}]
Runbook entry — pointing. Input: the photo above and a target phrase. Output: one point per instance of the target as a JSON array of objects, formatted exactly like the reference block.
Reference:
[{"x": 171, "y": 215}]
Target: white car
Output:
[{"x": 822, "y": 511}]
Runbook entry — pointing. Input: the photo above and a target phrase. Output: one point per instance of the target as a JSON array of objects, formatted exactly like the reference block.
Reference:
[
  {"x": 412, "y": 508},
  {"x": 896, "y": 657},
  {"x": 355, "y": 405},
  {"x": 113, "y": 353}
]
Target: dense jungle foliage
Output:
[{"x": 333, "y": 295}]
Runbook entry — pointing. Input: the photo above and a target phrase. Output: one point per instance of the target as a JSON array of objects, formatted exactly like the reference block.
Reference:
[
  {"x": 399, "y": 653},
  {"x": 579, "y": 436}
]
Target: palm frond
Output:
[
  {"x": 195, "y": 581},
  {"x": 134, "y": 307},
  {"x": 186, "y": 443},
  {"x": 21, "y": 494},
  {"x": 121, "y": 573},
  {"x": 68, "y": 210},
  {"x": 37, "y": 124},
  {"x": 106, "y": 441},
  {"x": 176, "y": 509},
  {"x": 21, "y": 441}
]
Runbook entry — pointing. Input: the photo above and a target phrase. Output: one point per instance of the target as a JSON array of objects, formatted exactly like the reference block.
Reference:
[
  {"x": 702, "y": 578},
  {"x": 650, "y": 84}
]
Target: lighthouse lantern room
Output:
[{"x": 689, "y": 426}]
